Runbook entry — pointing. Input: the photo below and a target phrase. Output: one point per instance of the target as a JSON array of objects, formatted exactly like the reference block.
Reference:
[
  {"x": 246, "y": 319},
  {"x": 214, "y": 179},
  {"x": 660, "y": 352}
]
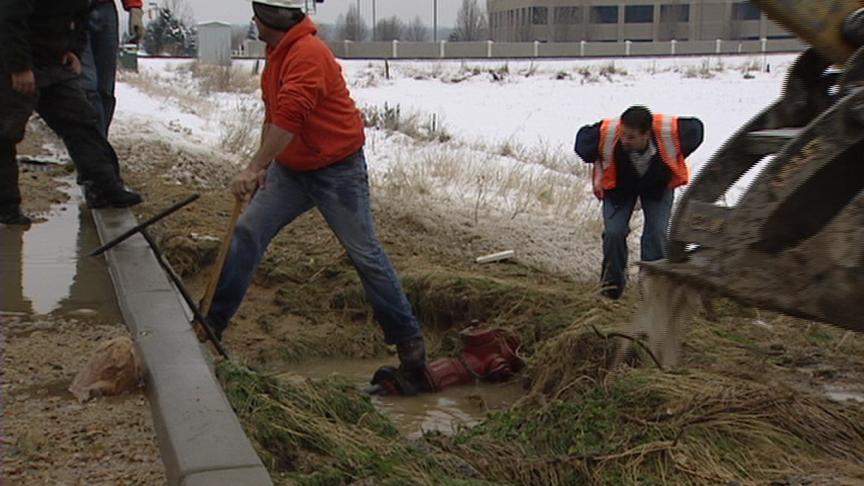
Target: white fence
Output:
[{"x": 509, "y": 50}]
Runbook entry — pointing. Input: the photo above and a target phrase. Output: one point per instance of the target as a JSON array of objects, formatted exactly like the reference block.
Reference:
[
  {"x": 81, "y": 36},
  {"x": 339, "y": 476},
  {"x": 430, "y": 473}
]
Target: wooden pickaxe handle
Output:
[{"x": 220, "y": 259}]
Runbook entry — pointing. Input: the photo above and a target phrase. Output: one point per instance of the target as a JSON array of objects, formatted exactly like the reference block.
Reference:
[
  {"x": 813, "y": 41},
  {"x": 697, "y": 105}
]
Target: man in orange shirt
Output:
[{"x": 311, "y": 156}]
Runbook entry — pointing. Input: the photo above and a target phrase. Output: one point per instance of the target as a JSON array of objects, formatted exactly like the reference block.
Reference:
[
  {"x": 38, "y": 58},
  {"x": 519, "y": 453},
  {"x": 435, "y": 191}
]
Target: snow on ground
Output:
[
  {"x": 503, "y": 155},
  {"x": 528, "y": 106},
  {"x": 531, "y": 107}
]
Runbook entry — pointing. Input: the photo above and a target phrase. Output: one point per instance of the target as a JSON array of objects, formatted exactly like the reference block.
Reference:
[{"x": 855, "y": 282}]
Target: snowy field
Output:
[
  {"x": 489, "y": 144},
  {"x": 528, "y": 105}
]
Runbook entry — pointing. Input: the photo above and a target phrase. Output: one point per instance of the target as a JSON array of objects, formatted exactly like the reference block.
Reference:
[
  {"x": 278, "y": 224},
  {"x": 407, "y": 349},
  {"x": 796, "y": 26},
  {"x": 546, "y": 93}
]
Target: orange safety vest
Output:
[{"x": 668, "y": 142}]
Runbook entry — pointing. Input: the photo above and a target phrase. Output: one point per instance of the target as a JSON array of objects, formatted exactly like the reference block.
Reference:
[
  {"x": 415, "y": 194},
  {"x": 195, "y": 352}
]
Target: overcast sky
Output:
[{"x": 240, "y": 11}]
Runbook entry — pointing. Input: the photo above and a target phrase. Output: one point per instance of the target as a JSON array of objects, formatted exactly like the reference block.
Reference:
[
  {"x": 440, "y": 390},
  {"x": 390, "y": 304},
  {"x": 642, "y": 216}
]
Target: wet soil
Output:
[
  {"x": 57, "y": 307},
  {"x": 306, "y": 305},
  {"x": 51, "y": 438}
]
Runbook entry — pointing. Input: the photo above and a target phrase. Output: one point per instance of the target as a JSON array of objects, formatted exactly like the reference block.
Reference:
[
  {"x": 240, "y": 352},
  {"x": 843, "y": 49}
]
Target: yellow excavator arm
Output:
[
  {"x": 820, "y": 23},
  {"x": 794, "y": 242}
]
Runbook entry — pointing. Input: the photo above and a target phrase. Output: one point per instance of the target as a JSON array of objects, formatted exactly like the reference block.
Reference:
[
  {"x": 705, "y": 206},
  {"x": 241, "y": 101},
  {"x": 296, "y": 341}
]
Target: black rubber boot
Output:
[
  {"x": 115, "y": 196},
  {"x": 412, "y": 366},
  {"x": 216, "y": 325},
  {"x": 14, "y": 216}
]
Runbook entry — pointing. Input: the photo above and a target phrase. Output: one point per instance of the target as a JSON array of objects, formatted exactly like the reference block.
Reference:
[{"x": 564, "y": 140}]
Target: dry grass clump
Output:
[
  {"x": 163, "y": 87},
  {"x": 704, "y": 71},
  {"x": 484, "y": 183},
  {"x": 581, "y": 423},
  {"x": 420, "y": 127},
  {"x": 240, "y": 128},
  {"x": 328, "y": 433},
  {"x": 221, "y": 79},
  {"x": 626, "y": 426},
  {"x": 692, "y": 427}
]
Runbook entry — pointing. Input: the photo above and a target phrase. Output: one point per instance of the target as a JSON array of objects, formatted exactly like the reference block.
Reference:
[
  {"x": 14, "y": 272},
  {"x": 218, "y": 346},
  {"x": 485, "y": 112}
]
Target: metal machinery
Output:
[{"x": 794, "y": 242}]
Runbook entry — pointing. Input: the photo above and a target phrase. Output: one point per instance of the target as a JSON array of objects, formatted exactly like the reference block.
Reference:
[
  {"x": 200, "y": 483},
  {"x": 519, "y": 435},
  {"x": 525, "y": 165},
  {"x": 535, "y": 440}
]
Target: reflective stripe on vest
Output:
[
  {"x": 668, "y": 146},
  {"x": 608, "y": 132}
]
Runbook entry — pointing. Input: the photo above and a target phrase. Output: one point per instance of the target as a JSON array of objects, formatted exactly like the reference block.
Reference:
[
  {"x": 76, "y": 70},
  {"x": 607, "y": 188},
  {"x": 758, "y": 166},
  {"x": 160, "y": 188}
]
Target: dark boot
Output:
[
  {"x": 216, "y": 325},
  {"x": 412, "y": 366},
  {"x": 612, "y": 291},
  {"x": 114, "y": 196},
  {"x": 14, "y": 216}
]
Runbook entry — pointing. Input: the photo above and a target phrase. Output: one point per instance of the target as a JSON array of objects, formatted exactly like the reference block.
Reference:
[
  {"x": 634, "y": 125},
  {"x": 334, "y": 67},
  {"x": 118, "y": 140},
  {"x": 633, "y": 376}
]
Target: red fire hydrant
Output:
[{"x": 488, "y": 354}]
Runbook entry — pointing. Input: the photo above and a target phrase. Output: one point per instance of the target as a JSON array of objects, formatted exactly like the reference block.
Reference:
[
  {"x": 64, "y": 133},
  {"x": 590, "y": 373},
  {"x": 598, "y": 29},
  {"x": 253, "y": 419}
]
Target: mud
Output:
[
  {"x": 305, "y": 312},
  {"x": 306, "y": 305},
  {"x": 51, "y": 438},
  {"x": 57, "y": 306}
]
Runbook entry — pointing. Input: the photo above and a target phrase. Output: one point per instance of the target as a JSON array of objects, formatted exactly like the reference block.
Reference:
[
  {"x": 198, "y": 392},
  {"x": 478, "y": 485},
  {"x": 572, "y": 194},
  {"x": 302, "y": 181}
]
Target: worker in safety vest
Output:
[{"x": 639, "y": 156}]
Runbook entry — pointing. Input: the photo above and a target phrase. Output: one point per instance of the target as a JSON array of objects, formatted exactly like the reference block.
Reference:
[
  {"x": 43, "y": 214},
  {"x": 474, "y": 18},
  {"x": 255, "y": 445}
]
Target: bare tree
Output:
[
  {"x": 471, "y": 24},
  {"x": 351, "y": 26},
  {"x": 389, "y": 29},
  {"x": 416, "y": 31},
  {"x": 181, "y": 10}
]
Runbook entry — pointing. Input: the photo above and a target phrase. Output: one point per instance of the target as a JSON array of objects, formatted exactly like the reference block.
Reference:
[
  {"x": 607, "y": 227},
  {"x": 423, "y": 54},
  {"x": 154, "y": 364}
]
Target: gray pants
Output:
[
  {"x": 61, "y": 102},
  {"x": 617, "y": 211}
]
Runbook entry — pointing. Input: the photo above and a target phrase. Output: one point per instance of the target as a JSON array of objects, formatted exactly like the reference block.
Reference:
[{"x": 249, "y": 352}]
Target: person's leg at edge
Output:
[
  {"x": 657, "y": 213},
  {"x": 65, "y": 109},
  {"x": 99, "y": 62},
  {"x": 16, "y": 109},
  {"x": 617, "y": 211},
  {"x": 341, "y": 193}
]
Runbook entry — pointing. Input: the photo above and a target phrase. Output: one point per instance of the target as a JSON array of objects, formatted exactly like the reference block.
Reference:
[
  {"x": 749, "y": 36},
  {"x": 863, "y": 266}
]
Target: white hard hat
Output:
[{"x": 282, "y": 3}]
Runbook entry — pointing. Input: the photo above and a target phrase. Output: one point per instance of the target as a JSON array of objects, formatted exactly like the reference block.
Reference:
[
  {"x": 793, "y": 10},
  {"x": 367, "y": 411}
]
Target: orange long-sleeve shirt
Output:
[{"x": 304, "y": 93}]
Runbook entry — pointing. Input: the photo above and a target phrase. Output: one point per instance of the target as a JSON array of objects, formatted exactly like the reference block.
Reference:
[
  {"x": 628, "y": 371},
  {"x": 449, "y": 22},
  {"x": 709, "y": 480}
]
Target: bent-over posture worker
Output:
[{"x": 637, "y": 156}]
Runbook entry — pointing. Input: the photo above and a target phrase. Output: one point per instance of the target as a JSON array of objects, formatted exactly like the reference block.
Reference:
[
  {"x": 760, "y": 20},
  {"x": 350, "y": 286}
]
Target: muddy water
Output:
[
  {"x": 443, "y": 412},
  {"x": 45, "y": 269}
]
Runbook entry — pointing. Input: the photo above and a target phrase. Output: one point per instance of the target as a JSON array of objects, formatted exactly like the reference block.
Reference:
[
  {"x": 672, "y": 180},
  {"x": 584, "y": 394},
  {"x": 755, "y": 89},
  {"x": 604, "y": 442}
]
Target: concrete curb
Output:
[{"x": 200, "y": 439}]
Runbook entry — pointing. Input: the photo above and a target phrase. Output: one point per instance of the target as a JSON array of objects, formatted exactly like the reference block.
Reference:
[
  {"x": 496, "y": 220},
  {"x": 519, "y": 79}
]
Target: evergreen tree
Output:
[{"x": 168, "y": 34}]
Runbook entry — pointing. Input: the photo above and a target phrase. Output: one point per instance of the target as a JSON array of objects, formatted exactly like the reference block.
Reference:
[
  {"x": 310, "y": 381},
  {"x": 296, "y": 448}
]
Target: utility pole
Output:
[
  {"x": 374, "y": 21},
  {"x": 359, "y": 20},
  {"x": 435, "y": 20}
]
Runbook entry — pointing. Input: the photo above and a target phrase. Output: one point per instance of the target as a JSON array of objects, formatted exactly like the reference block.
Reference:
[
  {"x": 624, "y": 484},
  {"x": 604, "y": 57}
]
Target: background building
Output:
[
  {"x": 214, "y": 43},
  {"x": 633, "y": 20}
]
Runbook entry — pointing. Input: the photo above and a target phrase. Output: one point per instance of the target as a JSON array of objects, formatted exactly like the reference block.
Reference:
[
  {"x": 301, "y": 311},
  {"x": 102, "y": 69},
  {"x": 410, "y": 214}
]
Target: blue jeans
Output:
[
  {"x": 617, "y": 210},
  {"x": 99, "y": 62},
  {"x": 341, "y": 194}
]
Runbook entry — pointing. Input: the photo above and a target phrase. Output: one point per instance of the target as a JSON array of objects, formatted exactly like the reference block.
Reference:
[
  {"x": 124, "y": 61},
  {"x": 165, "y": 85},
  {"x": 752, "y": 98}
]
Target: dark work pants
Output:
[
  {"x": 616, "y": 220},
  {"x": 61, "y": 102}
]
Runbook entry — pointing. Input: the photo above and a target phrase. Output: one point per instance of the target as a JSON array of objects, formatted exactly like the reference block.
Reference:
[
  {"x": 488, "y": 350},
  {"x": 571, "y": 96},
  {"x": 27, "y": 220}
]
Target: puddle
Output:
[
  {"x": 45, "y": 269},
  {"x": 443, "y": 412},
  {"x": 843, "y": 393}
]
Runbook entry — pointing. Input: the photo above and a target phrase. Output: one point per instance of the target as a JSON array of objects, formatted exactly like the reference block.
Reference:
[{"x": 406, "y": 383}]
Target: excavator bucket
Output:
[
  {"x": 794, "y": 241},
  {"x": 820, "y": 23}
]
